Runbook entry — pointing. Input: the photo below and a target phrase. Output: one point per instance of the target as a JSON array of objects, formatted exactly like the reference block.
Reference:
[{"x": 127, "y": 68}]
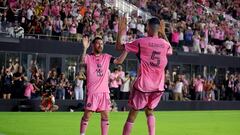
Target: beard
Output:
[{"x": 98, "y": 50}]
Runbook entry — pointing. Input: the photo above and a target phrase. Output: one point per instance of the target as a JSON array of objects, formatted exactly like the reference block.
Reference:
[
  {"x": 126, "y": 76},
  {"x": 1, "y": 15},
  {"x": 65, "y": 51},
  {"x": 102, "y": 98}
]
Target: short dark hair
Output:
[
  {"x": 154, "y": 21},
  {"x": 95, "y": 39},
  {"x": 154, "y": 24}
]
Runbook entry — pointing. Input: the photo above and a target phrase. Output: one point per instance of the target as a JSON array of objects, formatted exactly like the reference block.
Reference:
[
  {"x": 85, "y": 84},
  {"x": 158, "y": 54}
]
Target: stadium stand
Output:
[{"x": 205, "y": 36}]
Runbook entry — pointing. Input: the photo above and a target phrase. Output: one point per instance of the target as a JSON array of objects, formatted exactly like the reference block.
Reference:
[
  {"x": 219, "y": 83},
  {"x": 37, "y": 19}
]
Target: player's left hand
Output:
[{"x": 85, "y": 42}]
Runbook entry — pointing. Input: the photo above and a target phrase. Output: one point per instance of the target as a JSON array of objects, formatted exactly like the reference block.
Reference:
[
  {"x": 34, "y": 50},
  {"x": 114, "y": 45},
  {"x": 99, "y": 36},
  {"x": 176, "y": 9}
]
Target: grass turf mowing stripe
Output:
[{"x": 167, "y": 123}]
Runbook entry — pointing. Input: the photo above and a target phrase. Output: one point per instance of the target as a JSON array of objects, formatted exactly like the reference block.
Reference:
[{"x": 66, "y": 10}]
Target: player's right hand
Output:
[
  {"x": 162, "y": 27},
  {"x": 122, "y": 24},
  {"x": 85, "y": 42}
]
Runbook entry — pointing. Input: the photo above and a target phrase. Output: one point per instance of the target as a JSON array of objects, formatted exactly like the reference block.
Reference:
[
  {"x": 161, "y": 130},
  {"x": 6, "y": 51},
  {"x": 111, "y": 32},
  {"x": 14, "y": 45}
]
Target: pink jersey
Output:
[
  {"x": 175, "y": 37},
  {"x": 198, "y": 84},
  {"x": 113, "y": 80},
  {"x": 121, "y": 74},
  {"x": 28, "y": 90},
  {"x": 152, "y": 53},
  {"x": 97, "y": 73}
]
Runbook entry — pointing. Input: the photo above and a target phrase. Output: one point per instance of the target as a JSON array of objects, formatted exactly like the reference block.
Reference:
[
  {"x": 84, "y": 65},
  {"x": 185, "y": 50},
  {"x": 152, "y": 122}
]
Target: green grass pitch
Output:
[{"x": 167, "y": 123}]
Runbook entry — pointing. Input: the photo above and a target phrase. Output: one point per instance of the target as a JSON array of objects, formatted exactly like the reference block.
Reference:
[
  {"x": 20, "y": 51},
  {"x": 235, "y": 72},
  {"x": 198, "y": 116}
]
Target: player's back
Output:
[{"x": 152, "y": 56}]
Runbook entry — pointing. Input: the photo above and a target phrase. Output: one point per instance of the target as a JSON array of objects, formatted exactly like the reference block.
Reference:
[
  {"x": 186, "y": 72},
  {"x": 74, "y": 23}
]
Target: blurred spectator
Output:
[
  {"x": 121, "y": 75},
  {"x": 175, "y": 37},
  {"x": 48, "y": 102},
  {"x": 30, "y": 90},
  {"x": 198, "y": 85},
  {"x": 18, "y": 31},
  {"x": 7, "y": 81},
  {"x": 237, "y": 87},
  {"x": 178, "y": 90},
  {"x": 18, "y": 83},
  {"x": 57, "y": 26},
  {"x": 114, "y": 85},
  {"x": 51, "y": 82},
  {"x": 196, "y": 42},
  {"x": 229, "y": 45},
  {"x": 125, "y": 87},
  {"x": 229, "y": 86},
  {"x": 78, "y": 90},
  {"x": 208, "y": 91},
  {"x": 61, "y": 84}
]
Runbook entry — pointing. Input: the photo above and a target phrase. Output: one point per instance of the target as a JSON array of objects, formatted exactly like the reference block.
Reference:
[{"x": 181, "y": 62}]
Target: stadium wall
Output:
[
  {"x": 74, "y": 48},
  {"x": 66, "y": 105}
]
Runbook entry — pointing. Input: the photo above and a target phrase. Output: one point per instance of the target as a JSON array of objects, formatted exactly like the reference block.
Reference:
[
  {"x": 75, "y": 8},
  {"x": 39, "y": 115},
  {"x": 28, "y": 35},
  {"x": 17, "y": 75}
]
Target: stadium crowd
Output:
[
  {"x": 15, "y": 84},
  {"x": 192, "y": 27},
  {"x": 200, "y": 26}
]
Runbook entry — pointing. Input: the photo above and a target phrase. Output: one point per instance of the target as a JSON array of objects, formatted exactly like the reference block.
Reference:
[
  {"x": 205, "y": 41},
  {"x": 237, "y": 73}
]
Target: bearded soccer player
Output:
[
  {"x": 97, "y": 70},
  {"x": 148, "y": 88}
]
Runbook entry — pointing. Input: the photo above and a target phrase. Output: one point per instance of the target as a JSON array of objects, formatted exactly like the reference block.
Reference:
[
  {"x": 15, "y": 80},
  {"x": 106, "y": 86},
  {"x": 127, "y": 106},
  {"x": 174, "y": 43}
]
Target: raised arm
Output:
[
  {"x": 121, "y": 58},
  {"x": 162, "y": 30},
  {"x": 122, "y": 27},
  {"x": 86, "y": 44}
]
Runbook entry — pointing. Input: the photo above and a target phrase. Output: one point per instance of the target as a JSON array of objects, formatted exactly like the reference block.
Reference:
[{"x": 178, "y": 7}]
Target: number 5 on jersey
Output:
[{"x": 155, "y": 59}]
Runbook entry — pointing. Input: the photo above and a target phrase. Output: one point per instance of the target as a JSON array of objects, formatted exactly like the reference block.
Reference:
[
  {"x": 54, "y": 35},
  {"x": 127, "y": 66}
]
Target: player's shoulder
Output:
[
  {"x": 135, "y": 41},
  {"x": 89, "y": 55},
  {"x": 107, "y": 55},
  {"x": 163, "y": 41}
]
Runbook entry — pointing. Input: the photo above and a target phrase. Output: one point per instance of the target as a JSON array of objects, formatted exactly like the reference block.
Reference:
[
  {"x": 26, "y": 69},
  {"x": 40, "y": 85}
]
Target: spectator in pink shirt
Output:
[
  {"x": 121, "y": 75},
  {"x": 175, "y": 38},
  {"x": 73, "y": 29},
  {"x": 114, "y": 83},
  {"x": 30, "y": 89},
  {"x": 55, "y": 10},
  {"x": 238, "y": 48},
  {"x": 198, "y": 85},
  {"x": 46, "y": 10},
  {"x": 203, "y": 45}
]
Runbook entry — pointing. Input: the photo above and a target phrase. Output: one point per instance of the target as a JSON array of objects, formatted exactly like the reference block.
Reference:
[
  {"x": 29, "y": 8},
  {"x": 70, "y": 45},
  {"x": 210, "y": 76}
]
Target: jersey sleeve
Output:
[
  {"x": 169, "y": 48},
  {"x": 132, "y": 46},
  {"x": 109, "y": 57},
  {"x": 169, "y": 51},
  {"x": 86, "y": 59}
]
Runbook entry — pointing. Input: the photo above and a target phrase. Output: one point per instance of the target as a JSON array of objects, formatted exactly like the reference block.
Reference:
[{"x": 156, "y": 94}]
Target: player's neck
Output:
[
  {"x": 152, "y": 34},
  {"x": 97, "y": 54}
]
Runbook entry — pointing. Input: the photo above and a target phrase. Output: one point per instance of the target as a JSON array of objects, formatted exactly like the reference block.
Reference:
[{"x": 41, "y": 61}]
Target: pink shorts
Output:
[
  {"x": 140, "y": 100},
  {"x": 98, "y": 102}
]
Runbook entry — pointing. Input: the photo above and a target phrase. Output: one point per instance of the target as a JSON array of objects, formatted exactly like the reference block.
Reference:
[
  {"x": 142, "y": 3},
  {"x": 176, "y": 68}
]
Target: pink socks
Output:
[
  {"x": 104, "y": 126},
  {"x": 151, "y": 125},
  {"x": 127, "y": 128},
  {"x": 83, "y": 126}
]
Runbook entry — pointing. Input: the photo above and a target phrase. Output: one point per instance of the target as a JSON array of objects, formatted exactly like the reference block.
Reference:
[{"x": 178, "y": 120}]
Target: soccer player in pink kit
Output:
[
  {"x": 97, "y": 69},
  {"x": 148, "y": 88}
]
